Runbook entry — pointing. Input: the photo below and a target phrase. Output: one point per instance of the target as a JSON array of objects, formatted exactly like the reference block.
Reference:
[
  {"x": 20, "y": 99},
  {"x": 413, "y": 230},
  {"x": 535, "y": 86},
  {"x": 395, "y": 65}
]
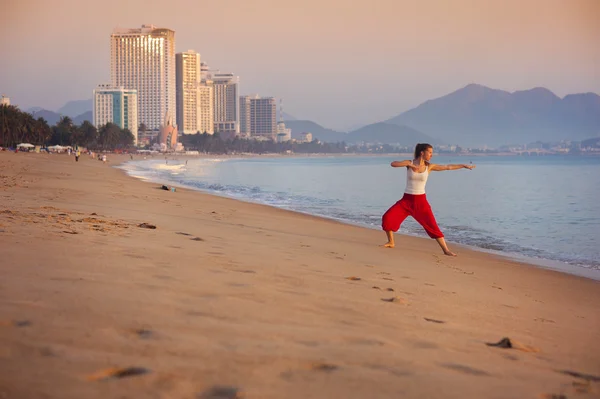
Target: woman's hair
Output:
[{"x": 420, "y": 148}]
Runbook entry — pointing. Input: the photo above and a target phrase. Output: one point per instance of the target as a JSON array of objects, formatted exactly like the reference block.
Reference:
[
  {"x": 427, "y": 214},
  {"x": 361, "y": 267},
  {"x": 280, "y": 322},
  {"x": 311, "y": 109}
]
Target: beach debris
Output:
[
  {"x": 434, "y": 320},
  {"x": 507, "y": 343},
  {"x": 395, "y": 299},
  {"x": 353, "y": 278},
  {"x": 15, "y": 323},
  {"x": 118, "y": 373},
  {"x": 327, "y": 367},
  {"x": 221, "y": 392},
  {"x": 586, "y": 377},
  {"x": 147, "y": 226}
]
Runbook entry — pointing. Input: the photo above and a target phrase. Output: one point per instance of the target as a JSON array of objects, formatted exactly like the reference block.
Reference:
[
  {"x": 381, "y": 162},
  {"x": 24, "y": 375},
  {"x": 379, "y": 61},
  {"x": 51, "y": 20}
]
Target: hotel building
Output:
[
  {"x": 206, "y": 109},
  {"x": 258, "y": 116},
  {"x": 225, "y": 100},
  {"x": 187, "y": 81},
  {"x": 116, "y": 105},
  {"x": 143, "y": 59}
]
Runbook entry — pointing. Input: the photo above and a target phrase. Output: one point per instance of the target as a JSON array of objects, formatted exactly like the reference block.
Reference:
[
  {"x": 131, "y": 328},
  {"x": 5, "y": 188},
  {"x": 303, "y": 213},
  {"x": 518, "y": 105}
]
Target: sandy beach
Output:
[{"x": 114, "y": 288}]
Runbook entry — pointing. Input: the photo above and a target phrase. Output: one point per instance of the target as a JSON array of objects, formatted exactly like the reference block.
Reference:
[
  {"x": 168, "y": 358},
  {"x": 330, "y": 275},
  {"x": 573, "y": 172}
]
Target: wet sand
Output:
[{"x": 228, "y": 299}]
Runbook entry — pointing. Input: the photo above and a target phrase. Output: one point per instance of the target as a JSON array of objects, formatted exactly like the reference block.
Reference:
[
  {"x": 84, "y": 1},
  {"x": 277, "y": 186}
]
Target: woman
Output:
[{"x": 414, "y": 202}]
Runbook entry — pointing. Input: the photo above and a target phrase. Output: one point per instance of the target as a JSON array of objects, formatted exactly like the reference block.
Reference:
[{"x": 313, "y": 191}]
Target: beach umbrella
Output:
[{"x": 25, "y": 145}]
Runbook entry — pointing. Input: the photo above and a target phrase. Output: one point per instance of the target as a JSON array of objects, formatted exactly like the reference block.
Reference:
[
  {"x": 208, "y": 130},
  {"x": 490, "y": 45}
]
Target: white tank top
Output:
[{"x": 415, "y": 182}]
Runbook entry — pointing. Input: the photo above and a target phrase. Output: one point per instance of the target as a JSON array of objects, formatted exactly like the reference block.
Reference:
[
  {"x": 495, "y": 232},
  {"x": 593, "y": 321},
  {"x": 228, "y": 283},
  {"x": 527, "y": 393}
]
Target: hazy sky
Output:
[{"x": 337, "y": 62}]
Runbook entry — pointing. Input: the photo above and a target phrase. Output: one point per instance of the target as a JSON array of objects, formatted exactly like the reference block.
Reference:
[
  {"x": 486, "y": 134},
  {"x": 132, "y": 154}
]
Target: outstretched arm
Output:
[
  {"x": 450, "y": 167},
  {"x": 401, "y": 164}
]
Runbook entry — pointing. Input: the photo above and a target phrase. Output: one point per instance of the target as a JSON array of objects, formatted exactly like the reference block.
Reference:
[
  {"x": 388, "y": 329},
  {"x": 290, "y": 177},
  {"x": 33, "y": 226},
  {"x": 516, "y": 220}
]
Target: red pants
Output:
[{"x": 415, "y": 206}]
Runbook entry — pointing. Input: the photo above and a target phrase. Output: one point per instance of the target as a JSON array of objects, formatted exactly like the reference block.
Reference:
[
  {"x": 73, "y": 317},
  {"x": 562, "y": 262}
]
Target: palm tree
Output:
[
  {"x": 109, "y": 136},
  {"x": 89, "y": 132}
]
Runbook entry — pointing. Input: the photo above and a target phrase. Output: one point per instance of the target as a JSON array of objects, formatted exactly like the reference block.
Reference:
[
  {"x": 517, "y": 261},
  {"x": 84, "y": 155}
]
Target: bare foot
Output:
[
  {"x": 449, "y": 253},
  {"x": 387, "y": 245}
]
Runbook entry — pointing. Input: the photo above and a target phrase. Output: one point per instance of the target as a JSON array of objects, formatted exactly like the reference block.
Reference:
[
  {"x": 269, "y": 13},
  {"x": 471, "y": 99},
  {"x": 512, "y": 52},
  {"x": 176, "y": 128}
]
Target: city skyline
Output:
[{"x": 345, "y": 66}]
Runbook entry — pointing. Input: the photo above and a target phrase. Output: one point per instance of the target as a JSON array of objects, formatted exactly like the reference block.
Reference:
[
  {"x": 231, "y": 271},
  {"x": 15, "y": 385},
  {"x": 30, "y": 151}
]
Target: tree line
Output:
[
  {"x": 18, "y": 127},
  {"x": 213, "y": 144}
]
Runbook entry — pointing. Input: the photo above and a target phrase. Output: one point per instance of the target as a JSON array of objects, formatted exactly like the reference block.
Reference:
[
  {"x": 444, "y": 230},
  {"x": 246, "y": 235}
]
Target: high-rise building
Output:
[
  {"x": 116, "y": 105},
  {"x": 187, "y": 81},
  {"x": 206, "y": 109},
  {"x": 144, "y": 59},
  {"x": 4, "y": 100},
  {"x": 258, "y": 116},
  {"x": 226, "y": 113},
  {"x": 245, "y": 116}
]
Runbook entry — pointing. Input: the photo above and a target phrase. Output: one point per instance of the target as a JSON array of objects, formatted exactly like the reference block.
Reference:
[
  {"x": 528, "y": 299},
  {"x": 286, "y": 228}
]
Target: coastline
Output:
[
  {"x": 255, "y": 298},
  {"x": 569, "y": 267}
]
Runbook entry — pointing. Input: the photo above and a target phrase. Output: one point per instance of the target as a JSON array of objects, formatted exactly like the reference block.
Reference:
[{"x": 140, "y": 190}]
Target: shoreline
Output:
[
  {"x": 549, "y": 264},
  {"x": 229, "y": 296}
]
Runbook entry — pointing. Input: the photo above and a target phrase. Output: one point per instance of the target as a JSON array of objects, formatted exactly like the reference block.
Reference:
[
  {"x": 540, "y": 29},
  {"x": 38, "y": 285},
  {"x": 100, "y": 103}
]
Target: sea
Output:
[{"x": 543, "y": 210}]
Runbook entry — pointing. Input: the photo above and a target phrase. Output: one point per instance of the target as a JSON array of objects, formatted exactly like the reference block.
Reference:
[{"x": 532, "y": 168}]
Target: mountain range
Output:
[
  {"x": 474, "y": 115},
  {"x": 477, "y": 115}
]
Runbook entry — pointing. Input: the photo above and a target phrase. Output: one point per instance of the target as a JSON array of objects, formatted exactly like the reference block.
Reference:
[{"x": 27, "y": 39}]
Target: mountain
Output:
[
  {"x": 76, "y": 108},
  {"x": 477, "y": 115},
  {"x": 86, "y": 116},
  {"x": 51, "y": 117},
  {"x": 318, "y": 131},
  {"x": 383, "y": 133},
  {"x": 288, "y": 117},
  {"x": 388, "y": 133}
]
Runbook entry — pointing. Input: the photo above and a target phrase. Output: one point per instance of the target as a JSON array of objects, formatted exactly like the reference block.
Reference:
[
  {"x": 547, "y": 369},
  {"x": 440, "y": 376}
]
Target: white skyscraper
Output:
[
  {"x": 206, "y": 109},
  {"x": 187, "y": 80},
  {"x": 144, "y": 59},
  {"x": 116, "y": 105}
]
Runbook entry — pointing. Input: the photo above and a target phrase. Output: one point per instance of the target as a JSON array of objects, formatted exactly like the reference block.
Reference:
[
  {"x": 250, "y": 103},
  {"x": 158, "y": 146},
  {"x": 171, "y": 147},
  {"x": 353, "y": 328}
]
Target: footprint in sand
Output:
[
  {"x": 434, "y": 320},
  {"x": 395, "y": 299},
  {"x": 183, "y": 234},
  {"x": 221, "y": 392},
  {"x": 465, "y": 369},
  {"x": 327, "y": 367},
  {"x": 143, "y": 333},
  {"x": 117, "y": 373},
  {"x": 576, "y": 374},
  {"x": 197, "y": 239}
]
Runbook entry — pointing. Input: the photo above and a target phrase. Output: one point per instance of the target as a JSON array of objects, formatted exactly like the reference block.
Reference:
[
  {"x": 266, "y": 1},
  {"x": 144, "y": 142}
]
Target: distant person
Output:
[
  {"x": 414, "y": 202},
  {"x": 104, "y": 158},
  {"x": 77, "y": 155}
]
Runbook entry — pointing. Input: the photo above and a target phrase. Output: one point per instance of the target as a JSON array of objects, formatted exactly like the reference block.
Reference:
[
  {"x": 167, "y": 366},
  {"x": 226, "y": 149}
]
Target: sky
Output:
[{"x": 340, "y": 63}]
